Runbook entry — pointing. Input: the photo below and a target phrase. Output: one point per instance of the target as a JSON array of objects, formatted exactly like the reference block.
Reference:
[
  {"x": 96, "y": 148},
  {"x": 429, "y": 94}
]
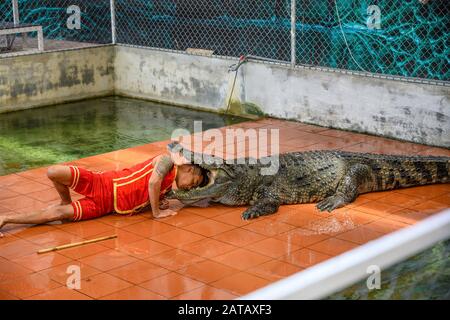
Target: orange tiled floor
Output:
[{"x": 202, "y": 253}]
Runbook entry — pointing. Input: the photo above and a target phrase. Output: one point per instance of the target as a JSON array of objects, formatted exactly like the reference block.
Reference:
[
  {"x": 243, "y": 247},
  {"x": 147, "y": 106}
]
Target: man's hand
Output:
[
  {"x": 165, "y": 213},
  {"x": 163, "y": 164}
]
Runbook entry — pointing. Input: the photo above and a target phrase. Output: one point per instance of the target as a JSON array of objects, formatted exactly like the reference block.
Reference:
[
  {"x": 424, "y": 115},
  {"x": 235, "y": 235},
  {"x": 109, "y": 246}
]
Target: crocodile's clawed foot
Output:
[
  {"x": 249, "y": 214},
  {"x": 331, "y": 203},
  {"x": 261, "y": 208}
]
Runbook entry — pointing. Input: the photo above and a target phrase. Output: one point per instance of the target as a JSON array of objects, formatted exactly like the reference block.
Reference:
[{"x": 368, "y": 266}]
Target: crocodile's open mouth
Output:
[
  {"x": 213, "y": 188},
  {"x": 209, "y": 178}
]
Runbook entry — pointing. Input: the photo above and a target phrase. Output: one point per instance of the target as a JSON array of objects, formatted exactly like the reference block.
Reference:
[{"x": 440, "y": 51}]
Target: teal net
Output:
[
  {"x": 53, "y": 15},
  {"x": 412, "y": 41},
  {"x": 6, "y": 14}
]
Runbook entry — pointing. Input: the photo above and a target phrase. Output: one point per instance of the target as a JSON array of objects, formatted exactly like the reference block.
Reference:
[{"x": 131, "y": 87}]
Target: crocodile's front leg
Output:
[
  {"x": 356, "y": 180},
  {"x": 262, "y": 208},
  {"x": 265, "y": 202}
]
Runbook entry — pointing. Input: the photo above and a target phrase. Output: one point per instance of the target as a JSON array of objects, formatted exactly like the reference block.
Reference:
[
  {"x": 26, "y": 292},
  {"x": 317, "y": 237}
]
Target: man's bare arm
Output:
[{"x": 163, "y": 166}]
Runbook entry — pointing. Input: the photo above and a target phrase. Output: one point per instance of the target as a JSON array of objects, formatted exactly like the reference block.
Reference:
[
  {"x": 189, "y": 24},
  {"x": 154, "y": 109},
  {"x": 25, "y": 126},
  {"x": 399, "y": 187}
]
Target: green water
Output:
[
  {"x": 44, "y": 136},
  {"x": 424, "y": 276}
]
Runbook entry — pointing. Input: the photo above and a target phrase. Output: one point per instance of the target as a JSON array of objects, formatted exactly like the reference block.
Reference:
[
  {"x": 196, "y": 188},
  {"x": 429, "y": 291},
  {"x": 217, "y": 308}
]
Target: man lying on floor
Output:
[{"x": 126, "y": 191}]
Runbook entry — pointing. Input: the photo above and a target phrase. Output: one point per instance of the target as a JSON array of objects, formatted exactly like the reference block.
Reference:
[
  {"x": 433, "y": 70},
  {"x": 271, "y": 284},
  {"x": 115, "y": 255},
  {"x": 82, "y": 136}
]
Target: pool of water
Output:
[
  {"x": 43, "y": 136},
  {"x": 421, "y": 277}
]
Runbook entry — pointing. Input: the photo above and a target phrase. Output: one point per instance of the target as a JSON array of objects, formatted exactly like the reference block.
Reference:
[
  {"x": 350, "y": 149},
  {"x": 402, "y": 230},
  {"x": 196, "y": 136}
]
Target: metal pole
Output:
[
  {"x": 113, "y": 21},
  {"x": 293, "y": 32},
  {"x": 337, "y": 273},
  {"x": 40, "y": 39},
  {"x": 15, "y": 6}
]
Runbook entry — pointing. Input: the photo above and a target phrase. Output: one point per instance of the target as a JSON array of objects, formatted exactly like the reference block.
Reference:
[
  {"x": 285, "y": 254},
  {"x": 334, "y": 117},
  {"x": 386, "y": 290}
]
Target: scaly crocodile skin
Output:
[{"x": 331, "y": 178}]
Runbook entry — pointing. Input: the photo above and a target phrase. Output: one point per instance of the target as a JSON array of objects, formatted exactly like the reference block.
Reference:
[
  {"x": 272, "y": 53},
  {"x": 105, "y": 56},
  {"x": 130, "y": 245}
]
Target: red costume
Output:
[{"x": 124, "y": 191}]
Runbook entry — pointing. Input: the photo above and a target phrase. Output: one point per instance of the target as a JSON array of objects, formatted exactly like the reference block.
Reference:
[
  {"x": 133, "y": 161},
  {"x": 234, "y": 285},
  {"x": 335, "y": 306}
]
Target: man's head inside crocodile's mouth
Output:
[{"x": 196, "y": 182}]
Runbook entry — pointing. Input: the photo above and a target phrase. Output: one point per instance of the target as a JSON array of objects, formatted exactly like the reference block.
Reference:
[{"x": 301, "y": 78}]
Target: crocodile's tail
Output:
[{"x": 392, "y": 172}]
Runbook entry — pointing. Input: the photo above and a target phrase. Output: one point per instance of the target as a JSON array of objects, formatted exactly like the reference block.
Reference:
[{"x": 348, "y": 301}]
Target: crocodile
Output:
[{"x": 332, "y": 178}]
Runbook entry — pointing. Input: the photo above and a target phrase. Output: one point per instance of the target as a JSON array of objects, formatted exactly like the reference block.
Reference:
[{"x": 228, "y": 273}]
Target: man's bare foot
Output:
[
  {"x": 62, "y": 203},
  {"x": 2, "y": 221},
  {"x": 165, "y": 213},
  {"x": 52, "y": 205}
]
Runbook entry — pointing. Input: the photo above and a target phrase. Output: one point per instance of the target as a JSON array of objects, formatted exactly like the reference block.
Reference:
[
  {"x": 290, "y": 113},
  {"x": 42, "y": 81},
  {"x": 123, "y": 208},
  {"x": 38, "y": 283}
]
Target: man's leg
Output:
[
  {"x": 61, "y": 177},
  {"x": 61, "y": 212}
]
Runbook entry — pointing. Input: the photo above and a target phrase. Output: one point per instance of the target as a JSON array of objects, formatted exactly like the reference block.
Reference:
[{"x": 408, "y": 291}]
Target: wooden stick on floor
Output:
[{"x": 76, "y": 244}]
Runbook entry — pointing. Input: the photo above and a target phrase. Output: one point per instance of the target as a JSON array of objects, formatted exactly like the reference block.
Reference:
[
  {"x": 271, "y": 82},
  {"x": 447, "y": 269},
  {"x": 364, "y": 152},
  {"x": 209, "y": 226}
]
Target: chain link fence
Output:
[
  {"x": 391, "y": 37},
  {"x": 228, "y": 28},
  {"x": 6, "y": 11},
  {"x": 65, "y": 23},
  {"x": 409, "y": 38}
]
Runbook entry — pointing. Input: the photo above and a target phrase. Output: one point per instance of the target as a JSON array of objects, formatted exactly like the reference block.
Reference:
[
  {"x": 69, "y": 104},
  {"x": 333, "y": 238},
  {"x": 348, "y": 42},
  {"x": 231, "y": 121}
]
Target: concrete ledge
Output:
[
  {"x": 48, "y": 78},
  {"x": 406, "y": 111},
  {"x": 174, "y": 78}
]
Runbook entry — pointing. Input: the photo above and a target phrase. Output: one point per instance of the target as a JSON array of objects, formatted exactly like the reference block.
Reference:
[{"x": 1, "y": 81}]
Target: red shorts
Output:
[{"x": 98, "y": 191}]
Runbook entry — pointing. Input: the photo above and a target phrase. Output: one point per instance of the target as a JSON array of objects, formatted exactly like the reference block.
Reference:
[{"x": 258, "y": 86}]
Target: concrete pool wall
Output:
[
  {"x": 35, "y": 80},
  {"x": 416, "y": 112}
]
